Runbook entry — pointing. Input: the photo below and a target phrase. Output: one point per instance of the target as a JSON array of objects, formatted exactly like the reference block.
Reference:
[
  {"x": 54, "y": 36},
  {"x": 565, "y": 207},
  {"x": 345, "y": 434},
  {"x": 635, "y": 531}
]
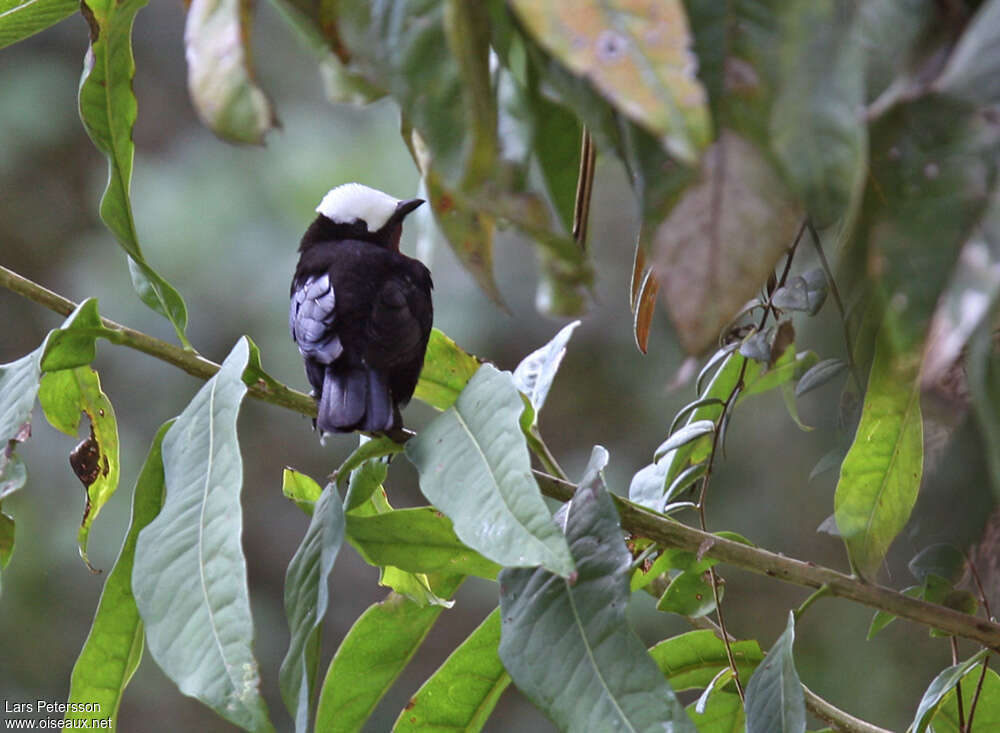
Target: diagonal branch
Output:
[
  {"x": 187, "y": 360},
  {"x": 642, "y": 522},
  {"x": 634, "y": 518}
]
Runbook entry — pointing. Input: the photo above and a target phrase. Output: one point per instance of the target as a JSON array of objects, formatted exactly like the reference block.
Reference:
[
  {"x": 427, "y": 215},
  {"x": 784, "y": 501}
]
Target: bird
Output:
[{"x": 360, "y": 312}]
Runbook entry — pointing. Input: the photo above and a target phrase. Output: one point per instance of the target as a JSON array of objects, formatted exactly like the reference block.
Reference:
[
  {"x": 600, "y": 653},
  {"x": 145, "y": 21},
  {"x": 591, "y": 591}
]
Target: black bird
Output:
[{"x": 361, "y": 311}]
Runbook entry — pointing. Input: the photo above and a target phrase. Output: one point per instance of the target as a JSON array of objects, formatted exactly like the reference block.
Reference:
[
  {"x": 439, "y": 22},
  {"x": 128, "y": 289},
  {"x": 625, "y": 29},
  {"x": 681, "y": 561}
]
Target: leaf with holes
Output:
[
  {"x": 65, "y": 395},
  {"x": 113, "y": 648}
]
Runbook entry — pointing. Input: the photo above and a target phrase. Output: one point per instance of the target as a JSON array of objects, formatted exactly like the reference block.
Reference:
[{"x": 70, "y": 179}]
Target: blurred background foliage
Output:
[{"x": 222, "y": 224}]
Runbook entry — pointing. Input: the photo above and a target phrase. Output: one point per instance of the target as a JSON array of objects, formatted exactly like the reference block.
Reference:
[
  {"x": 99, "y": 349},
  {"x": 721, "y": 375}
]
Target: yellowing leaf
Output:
[{"x": 637, "y": 53}]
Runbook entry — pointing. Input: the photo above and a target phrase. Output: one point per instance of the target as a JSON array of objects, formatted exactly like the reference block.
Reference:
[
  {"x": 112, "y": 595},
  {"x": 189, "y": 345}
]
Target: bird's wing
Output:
[
  {"x": 311, "y": 317},
  {"x": 400, "y": 322}
]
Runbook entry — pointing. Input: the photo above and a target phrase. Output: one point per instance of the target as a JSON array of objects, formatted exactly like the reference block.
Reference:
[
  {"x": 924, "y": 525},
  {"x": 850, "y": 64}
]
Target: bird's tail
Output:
[{"x": 355, "y": 398}]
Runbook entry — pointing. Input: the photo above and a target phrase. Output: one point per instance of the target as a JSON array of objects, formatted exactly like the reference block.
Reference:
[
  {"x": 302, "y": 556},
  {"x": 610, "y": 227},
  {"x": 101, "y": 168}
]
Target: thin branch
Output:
[
  {"x": 645, "y": 523},
  {"x": 184, "y": 359},
  {"x": 634, "y": 518}
]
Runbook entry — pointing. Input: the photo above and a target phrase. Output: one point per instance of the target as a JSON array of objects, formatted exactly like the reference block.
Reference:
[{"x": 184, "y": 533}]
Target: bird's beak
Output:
[{"x": 405, "y": 207}]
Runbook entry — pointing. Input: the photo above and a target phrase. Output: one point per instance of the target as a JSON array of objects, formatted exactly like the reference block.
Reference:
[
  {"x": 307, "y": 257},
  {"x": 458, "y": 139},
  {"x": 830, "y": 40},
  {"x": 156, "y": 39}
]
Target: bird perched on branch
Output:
[{"x": 360, "y": 311}]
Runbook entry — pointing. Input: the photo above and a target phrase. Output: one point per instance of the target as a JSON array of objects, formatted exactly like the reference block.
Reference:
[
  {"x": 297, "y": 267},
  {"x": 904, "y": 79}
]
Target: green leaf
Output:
[
  {"x": 190, "y": 580},
  {"x": 108, "y": 109},
  {"x": 819, "y": 374},
  {"x": 416, "y": 540},
  {"x": 220, "y": 71},
  {"x": 690, "y": 594},
  {"x": 365, "y": 488},
  {"x": 300, "y": 488},
  {"x": 20, "y": 19},
  {"x": 368, "y": 449},
  {"x": 306, "y": 599},
  {"x": 775, "y": 702},
  {"x": 389, "y": 633},
  {"x": 987, "y": 715},
  {"x": 941, "y": 685},
  {"x": 413, "y": 586},
  {"x": 721, "y": 241},
  {"x": 474, "y": 466},
  {"x": 691, "y": 660},
  {"x": 637, "y": 56},
  {"x": 940, "y": 559},
  {"x": 881, "y": 619},
  {"x": 113, "y": 648},
  {"x": 6, "y": 540},
  {"x": 74, "y": 344},
  {"x": 723, "y": 714},
  {"x": 565, "y": 642},
  {"x": 880, "y": 475},
  {"x": 648, "y": 485},
  {"x": 970, "y": 73},
  {"x": 805, "y": 293},
  {"x": 447, "y": 369},
  {"x": 64, "y": 395},
  {"x": 463, "y": 691},
  {"x": 785, "y": 369},
  {"x": 687, "y": 434},
  {"x": 817, "y": 133},
  {"x": 534, "y": 375}
]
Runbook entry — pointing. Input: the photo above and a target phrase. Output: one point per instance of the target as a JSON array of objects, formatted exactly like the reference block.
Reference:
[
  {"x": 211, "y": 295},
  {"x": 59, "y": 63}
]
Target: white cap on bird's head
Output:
[{"x": 354, "y": 202}]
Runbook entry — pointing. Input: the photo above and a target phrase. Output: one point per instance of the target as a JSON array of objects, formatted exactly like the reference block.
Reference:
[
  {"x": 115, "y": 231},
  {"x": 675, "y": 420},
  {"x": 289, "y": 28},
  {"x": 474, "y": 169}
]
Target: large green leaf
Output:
[
  {"x": 474, "y": 467},
  {"x": 817, "y": 133},
  {"x": 306, "y": 599},
  {"x": 114, "y": 645},
  {"x": 20, "y": 19},
  {"x": 65, "y": 395},
  {"x": 880, "y": 476},
  {"x": 566, "y": 642},
  {"x": 370, "y": 658},
  {"x": 637, "y": 54},
  {"x": 722, "y": 239},
  {"x": 190, "y": 579},
  {"x": 108, "y": 109},
  {"x": 691, "y": 660},
  {"x": 447, "y": 369},
  {"x": 775, "y": 702},
  {"x": 220, "y": 72},
  {"x": 416, "y": 540},
  {"x": 463, "y": 691}
]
